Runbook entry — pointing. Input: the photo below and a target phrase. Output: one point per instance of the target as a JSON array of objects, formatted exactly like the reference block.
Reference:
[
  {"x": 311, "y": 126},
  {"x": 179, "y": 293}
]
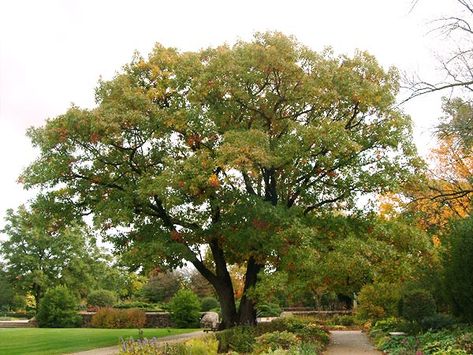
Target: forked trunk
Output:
[
  {"x": 247, "y": 310},
  {"x": 246, "y": 314}
]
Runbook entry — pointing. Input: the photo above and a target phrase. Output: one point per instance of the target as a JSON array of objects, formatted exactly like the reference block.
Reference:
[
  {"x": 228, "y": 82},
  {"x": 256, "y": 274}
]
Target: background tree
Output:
[
  {"x": 349, "y": 253},
  {"x": 7, "y": 295},
  {"x": 161, "y": 287},
  {"x": 456, "y": 63},
  {"x": 455, "y": 131},
  {"x": 42, "y": 251},
  {"x": 227, "y": 148},
  {"x": 199, "y": 285},
  {"x": 124, "y": 283},
  {"x": 458, "y": 266}
]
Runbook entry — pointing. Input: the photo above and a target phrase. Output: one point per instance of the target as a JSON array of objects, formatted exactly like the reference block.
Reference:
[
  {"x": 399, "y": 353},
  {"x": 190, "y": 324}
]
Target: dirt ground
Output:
[{"x": 349, "y": 342}]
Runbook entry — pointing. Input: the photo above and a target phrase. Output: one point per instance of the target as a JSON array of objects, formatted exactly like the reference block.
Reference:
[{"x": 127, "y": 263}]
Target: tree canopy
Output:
[
  {"x": 42, "y": 251},
  {"x": 228, "y": 148}
]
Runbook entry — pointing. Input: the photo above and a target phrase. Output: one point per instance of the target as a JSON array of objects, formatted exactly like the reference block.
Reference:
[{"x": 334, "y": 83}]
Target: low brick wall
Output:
[{"x": 153, "y": 319}]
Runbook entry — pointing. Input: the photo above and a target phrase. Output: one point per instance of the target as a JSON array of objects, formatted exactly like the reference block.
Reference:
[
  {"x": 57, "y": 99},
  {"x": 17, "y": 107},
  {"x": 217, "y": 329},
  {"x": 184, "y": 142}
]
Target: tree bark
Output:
[
  {"x": 226, "y": 298},
  {"x": 247, "y": 310},
  {"x": 37, "y": 295},
  {"x": 224, "y": 286}
]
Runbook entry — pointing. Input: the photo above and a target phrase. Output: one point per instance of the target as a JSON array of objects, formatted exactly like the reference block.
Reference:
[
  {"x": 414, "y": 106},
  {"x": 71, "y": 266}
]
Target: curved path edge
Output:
[{"x": 113, "y": 350}]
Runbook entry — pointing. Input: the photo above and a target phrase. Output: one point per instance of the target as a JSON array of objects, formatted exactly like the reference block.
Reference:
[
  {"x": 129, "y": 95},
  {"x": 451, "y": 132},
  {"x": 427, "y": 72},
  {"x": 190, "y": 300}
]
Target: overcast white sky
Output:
[{"x": 52, "y": 52}]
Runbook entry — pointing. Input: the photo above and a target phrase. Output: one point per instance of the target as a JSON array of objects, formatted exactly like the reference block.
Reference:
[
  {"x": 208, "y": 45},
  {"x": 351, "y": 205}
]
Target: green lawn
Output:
[{"x": 29, "y": 341}]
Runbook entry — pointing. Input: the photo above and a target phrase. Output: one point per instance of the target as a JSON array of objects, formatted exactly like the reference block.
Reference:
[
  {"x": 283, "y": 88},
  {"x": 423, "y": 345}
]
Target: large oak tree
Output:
[{"x": 226, "y": 149}]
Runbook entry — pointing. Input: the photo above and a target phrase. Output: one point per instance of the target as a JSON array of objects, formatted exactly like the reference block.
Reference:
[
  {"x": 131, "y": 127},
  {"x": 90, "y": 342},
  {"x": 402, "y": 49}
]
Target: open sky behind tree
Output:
[{"x": 52, "y": 52}]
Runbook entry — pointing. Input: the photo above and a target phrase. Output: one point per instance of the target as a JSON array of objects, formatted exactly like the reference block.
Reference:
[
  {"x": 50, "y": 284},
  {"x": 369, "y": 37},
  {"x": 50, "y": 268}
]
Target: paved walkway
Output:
[
  {"x": 113, "y": 350},
  {"x": 350, "y": 342}
]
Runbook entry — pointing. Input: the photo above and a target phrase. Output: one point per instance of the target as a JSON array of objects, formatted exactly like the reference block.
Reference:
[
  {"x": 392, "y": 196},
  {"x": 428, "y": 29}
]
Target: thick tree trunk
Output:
[
  {"x": 226, "y": 298},
  {"x": 247, "y": 310},
  {"x": 222, "y": 283}
]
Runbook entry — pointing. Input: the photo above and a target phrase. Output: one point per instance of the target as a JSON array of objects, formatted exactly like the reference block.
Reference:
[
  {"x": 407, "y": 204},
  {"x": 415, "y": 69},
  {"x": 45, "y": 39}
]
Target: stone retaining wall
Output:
[{"x": 18, "y": 324}]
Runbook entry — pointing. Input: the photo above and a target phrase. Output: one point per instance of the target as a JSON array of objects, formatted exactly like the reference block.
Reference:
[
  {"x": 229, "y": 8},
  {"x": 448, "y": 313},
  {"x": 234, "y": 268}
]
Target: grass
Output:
[{"x": 42, "y": 341}]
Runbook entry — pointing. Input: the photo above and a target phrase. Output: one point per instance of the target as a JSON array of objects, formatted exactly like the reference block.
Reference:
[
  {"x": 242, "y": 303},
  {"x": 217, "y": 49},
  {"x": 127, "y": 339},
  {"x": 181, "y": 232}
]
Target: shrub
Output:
[
  {"x": 458, "y": 266},
  {"x": 305, "y": 328},
  {"x": 209, "y": 303},
  {"x": 437, "y": 321},
  {"x": 444, "y": 342},
  {"x": 118, "y": 318},
  {"x": 101, "y": 298},
  {"x": 57, "y": 309},
  {"x": 239, "y": 339},
  {"x": 391, "y": 325},
  {"x": 377, "y": 301},
  {"x": 416, "y": 305},
  {"x": 268, "y": 310},
  {"x": 276, "y": 340},
  {"x": 310, "y": 336},
  {"x": 185, "y": 309}
]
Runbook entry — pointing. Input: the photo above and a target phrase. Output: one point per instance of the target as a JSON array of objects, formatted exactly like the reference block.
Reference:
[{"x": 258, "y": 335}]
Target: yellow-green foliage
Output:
[
  {"x": 378, "y": 301},
  {"x": 276, "y": 340},
  {"x": 202, "y": 346}
]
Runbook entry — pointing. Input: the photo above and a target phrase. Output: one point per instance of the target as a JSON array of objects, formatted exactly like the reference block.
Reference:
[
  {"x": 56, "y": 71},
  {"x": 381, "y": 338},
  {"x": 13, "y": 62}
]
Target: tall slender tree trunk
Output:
[{"x": 37, "y": 293}]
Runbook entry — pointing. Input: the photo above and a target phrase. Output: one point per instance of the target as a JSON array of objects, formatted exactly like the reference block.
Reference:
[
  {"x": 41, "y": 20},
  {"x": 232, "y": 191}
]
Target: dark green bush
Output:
[
  {"x": 209, "y": 303},
  {"x": 385, "y": 326},
  {"x": 101, "y": 298},
  {"x": 392, "y": 325},
  {"x": 268, "y": 310},
  {"x": 416, "y": 305},
  {"x": 185, "y": 309},
  {"x": 458, "y": 340},
  {"x": 438, "y": 321},
  {"x": 458, "y": 266},
  {"x": 57, "y": 309},
  {"x": 118, "y": 318}
]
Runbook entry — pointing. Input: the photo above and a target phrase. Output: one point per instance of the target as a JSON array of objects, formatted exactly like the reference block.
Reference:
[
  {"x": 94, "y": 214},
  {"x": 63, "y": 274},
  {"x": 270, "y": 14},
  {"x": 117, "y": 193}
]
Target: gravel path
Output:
[
  {"x": 113, "y": 350},
  {"x": 349, "y": 342}
]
